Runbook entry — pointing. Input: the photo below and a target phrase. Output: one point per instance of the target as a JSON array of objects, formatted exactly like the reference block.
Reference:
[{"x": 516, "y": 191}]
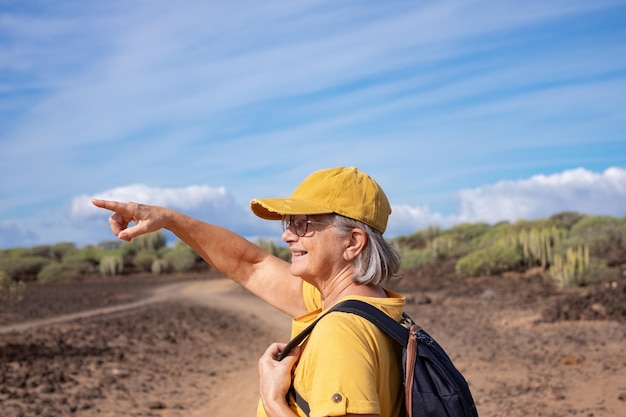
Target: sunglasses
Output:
[{"x": 298, "y": 224}]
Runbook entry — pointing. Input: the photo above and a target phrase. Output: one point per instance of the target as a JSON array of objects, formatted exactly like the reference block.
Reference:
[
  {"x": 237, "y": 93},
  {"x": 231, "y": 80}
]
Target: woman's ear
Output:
[{"x": 357, "y": 239}]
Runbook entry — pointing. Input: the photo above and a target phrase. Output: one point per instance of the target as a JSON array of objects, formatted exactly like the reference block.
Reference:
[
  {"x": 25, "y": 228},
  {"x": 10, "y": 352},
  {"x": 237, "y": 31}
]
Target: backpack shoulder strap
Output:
[
  {"x": 299, "y": 338},
  {"x": 391, "y": 327}
]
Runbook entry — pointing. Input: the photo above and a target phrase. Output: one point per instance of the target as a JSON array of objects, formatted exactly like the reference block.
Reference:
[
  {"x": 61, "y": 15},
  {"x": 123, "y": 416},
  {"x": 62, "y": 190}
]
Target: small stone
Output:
[
  {"x": 47, "y": 388},
  {"x": 423, "y": 299},
  {"x": 122, "y": 373},
  {"x": 156, "y": 405},
  {"x": 489, "y": 294},
  {"x": 571, "y": 360},
  {"x": 599, "y": 308}
]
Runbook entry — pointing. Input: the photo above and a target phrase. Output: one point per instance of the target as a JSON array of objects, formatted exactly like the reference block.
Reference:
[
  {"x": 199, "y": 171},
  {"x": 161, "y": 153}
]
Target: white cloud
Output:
[
  {"x": 212, "y": 204},
  {"x": 193, "y": 198},
  {"x": 406, "y": 219},
  {"x": 542, "y": 195}
]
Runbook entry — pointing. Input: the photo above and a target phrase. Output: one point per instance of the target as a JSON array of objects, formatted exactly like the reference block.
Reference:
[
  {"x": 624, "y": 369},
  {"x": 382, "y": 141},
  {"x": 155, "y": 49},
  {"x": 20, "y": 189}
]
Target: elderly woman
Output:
[{"x": 334, "y": 224}]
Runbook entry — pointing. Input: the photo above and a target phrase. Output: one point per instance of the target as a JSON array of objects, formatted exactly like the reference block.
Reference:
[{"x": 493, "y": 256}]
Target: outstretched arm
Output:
[{"x": 262, "y": 274}]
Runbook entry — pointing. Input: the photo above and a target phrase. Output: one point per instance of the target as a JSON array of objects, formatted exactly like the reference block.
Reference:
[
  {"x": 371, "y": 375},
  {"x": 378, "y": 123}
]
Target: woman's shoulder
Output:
[
  {"x": 338, "y": 324},
  {"x": 392, "y": 304}
]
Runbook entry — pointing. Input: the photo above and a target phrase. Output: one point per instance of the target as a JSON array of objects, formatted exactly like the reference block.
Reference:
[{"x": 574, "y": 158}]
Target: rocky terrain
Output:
[{"x": 188, "y": 345}]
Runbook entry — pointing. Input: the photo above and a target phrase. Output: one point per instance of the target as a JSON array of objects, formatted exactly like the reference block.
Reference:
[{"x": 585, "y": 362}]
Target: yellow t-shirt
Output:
[{"x": 348, "y": 365}]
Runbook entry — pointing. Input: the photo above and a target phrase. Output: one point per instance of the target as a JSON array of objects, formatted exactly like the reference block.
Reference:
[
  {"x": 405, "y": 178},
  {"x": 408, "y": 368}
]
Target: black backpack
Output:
[{"x": 433, "y": 386}]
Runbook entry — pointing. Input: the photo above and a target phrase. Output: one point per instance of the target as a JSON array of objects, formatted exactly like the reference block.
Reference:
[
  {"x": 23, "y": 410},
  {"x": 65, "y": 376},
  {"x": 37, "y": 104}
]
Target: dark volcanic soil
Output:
[{"x": 526, "y": 348}]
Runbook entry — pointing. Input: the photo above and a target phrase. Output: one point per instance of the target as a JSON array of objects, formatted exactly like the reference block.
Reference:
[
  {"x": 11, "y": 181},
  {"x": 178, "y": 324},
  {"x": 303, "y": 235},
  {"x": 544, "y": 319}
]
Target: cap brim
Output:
[{"x": 276, "y": 208}]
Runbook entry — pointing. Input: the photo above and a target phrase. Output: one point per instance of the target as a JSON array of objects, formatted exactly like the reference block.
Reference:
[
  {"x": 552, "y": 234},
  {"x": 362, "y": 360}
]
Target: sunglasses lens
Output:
[{"x": 299, "y": 224}]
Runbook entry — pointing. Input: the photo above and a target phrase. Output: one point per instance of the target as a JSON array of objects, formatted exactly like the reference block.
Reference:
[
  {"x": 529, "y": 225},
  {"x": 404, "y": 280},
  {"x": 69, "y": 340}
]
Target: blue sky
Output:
[{"x": 462, "y": 110}]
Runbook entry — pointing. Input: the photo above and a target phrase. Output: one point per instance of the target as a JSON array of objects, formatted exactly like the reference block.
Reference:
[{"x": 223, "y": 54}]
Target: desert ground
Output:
[{"x": 188, "y": 345}]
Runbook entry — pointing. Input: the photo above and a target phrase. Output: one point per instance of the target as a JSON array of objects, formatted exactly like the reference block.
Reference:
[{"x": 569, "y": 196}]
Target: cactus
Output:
[
  {"x": 160, "y": 266},
  {"x": 572, "y": 268},
  {"x": 441, "y": 246},
  {"x": 536, "y": 244},
  {"x": 112, "y": 265}
]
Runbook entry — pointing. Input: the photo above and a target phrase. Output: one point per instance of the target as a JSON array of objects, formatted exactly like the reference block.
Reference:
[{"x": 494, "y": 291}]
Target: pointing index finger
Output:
[{"x": 108, "y": 204}]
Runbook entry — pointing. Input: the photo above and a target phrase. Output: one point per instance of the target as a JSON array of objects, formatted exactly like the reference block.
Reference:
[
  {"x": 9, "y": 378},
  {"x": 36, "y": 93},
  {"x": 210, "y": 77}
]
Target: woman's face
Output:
[{"x": 319, "y": 253}]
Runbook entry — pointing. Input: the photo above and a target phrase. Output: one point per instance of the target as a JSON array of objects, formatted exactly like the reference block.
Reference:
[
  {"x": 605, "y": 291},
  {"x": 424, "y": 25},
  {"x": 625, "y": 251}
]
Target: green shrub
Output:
[
  {"x": 88, "y": 254},
  {"x": 417, "y": 240},
  {"x": 414, "y": 258},
  {"x": 489, "y": 261},
  {"x": 180, "y": 260},
  {"x": 110, "y": 245},
  {"x": 493, "y": 234},
  {"x": 64, "y": 271},
  {"x": 19, "y": 267},
  {"x": 466, "y": 231},
  {"x": 565, "y": 219},
  {"x": 11, "y": 291},
  {"x": 600, "y": 233},
  {"x": 143, "y": 261},
  {"x": 39, "y": 250},
  {"x": 60, "y": 250},
  {"x": 594, "y": 224},
  {"x": 112, "y": 265}
]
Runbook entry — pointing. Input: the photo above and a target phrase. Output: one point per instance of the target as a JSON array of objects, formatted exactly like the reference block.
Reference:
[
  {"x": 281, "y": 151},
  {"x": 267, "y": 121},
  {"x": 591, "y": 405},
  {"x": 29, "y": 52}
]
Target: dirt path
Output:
[
  {"x": 238, "y": 395},
  {"x": 159, "y": 294},
  {"x": 223, "y": 294},
  {"x": 224, "y": 391}
]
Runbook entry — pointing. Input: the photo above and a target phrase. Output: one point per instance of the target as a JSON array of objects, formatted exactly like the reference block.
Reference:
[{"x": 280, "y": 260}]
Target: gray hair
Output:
[{"x": 378, "y": 262}]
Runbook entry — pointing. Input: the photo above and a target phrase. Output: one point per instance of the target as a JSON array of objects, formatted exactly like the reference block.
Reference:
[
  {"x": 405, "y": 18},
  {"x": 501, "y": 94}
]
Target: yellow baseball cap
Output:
[{"x": 345, "y": 191}]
